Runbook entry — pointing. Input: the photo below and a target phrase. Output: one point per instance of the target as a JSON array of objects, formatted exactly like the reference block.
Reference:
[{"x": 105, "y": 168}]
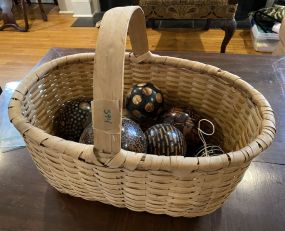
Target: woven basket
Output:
[{"x": 177, "y": 186}]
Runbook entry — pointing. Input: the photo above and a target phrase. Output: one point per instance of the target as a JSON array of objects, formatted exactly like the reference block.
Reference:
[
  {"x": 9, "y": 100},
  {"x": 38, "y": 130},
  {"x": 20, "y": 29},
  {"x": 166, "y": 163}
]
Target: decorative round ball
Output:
[
  {"x": 206, "y": 127},
  {"x": 186, "y": 123},
  {"x": 72, "y": 118},
  {"x": 180, "y": 120},
  {"x": 216, "y": 138},
  {"x": 209, "y": 150},
  {"x": 193, "y": 114},
  {"x": 165, "y": 139},
  {"x": 144, "y": 101},
  {"x": 132, "y": 137}
]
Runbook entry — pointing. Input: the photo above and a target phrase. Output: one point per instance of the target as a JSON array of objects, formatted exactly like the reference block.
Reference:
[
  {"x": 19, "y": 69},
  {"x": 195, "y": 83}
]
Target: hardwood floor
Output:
[{"x": 19, "y": 52}]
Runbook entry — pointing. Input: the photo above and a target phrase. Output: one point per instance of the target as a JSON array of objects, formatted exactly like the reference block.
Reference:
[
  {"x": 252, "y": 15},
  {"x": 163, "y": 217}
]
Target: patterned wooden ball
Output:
[
  {"x": 218, "y": 137},
  {"x": 181, "y": 120},
  {"x": 209, "y": 150},
  {"x": 196, "y": 116},
  {"x": 72, "y": 118},
  {"x": 132, "y": 137},
  {"x": 186, "y": 123},
  {"x": 144, "y": 101},
  {"x": 165, "y": 139}
]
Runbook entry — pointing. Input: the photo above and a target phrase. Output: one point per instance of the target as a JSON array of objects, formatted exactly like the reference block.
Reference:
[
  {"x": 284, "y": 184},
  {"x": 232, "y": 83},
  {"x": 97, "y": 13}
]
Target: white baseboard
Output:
[
  {"x": 83, "y": 15},
  {"x": 65, "y": 12},
  {"x": 43, "y": 1}
]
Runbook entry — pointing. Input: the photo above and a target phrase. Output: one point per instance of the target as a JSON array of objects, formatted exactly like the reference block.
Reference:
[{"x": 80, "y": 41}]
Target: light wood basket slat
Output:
[{"x": 177, "y": 186}]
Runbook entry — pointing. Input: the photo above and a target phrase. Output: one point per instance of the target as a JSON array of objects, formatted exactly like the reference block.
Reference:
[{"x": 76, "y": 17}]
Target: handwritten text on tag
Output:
[{"x": 108, "y": 116}]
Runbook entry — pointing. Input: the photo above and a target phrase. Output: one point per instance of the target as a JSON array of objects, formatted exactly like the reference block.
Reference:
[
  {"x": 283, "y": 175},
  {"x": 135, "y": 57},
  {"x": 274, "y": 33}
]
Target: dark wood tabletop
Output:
[{"x": 27, "y": 202}]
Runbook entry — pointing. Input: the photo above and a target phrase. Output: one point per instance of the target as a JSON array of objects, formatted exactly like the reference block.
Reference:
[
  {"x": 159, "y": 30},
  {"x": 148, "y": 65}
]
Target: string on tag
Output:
[{"x": 201, "y": 134}]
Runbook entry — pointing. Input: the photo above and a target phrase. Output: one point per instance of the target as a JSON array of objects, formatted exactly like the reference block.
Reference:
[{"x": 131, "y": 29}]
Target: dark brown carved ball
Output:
[
  {"x": 180, "y": 120},
  {"x": 217, "y": 138},
  {"x": 186, "y": 123},
  {"x": 144, "y": 101},
  {"x": 165, "y": 139},
  {"x": 72, "y": 118}
]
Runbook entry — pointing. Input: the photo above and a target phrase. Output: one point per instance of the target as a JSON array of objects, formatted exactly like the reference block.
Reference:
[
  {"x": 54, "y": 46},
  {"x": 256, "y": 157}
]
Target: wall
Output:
[
  {"x": 65, "y": 7},
  {"x": 85, "y": 8},
  {"x": 95, "y": 6}
]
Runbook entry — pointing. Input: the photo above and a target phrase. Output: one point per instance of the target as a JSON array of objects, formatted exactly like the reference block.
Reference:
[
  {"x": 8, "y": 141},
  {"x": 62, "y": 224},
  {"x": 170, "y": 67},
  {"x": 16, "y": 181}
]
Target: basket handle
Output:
[{"x": 108, "y": 79}]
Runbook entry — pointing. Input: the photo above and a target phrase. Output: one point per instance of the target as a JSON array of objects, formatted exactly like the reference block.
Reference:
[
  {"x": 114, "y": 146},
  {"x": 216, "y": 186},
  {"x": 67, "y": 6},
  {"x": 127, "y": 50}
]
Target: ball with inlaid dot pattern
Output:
[
  {"x": 165, "y": 139},
  {"x": 72, "y": 118},
  {"x": 144, "y": 101},
  {"x": 132, "y": 137}
]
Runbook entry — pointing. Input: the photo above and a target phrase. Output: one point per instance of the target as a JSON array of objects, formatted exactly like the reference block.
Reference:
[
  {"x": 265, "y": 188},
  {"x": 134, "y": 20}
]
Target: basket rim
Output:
[{"x": 132, "y": 160}]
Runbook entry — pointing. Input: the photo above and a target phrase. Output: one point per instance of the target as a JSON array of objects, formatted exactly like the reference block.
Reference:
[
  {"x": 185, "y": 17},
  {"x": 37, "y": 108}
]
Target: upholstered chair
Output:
[{"x": 219, "y": 12}]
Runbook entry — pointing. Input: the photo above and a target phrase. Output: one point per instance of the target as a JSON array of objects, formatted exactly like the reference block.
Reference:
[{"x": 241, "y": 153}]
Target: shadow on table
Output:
[
  {"x": 69, "y": 213},
  {"x": 179, "y": 39}
]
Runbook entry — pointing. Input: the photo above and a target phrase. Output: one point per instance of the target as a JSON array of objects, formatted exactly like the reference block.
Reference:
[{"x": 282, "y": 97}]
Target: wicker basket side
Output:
[
  {"x": 159, "y": 192},
  {"x": 248, "y": 129}
]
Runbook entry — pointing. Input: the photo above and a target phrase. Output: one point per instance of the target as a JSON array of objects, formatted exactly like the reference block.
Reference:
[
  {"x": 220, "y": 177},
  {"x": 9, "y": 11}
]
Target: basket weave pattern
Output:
[{"x": 177, "y": 186}]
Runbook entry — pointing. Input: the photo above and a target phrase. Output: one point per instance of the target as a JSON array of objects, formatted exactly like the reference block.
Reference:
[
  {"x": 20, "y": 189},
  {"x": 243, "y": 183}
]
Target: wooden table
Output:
[{"x": 27, "y": 202}]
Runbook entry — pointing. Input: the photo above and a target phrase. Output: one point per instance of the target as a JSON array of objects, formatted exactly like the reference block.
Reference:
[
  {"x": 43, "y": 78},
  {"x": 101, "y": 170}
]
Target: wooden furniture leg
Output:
[
  {"x": 25, "y": 14},
  {"x": 28, "y": 1},
  {"x": 44, "y": 16},
  {"x": 8, "y": 16},
  {"x": 208, "y": 24},
  {"x": 229, "y": 26}
]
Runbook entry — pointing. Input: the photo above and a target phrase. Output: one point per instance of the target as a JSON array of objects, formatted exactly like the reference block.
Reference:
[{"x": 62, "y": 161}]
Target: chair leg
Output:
[
  {"x": 8, "y": 17},
  {"x": 44, "y": 16},
  {"x": 208, "y": 24},
  {"x": 23, "y": 3},
  {"x": 229, "y": 26}
]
